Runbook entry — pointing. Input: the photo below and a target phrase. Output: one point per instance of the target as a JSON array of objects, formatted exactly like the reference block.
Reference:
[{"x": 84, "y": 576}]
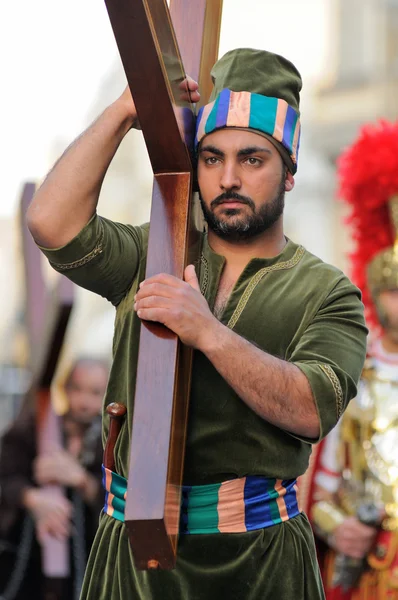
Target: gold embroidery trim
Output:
[
  {"x": 336, "y": 386},
  {"x": 205, "y": 281},
  {"x": 255, "y": 280},
  {"x": 98, "y": 249}
]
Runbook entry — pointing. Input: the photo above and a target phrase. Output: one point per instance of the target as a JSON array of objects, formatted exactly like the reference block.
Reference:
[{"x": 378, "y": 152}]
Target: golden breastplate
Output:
[{"x": 369, "y": 451}]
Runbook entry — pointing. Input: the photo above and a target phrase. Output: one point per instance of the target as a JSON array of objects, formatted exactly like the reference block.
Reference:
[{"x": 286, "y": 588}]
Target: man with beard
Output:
[
  {"x": 77, "y": 467},
  {"x": 279, "y": 339}
]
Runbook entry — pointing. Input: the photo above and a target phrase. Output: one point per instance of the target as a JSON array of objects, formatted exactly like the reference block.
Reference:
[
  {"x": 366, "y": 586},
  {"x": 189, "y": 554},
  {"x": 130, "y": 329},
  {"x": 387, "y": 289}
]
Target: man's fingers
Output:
[
  {"x": 158, "y": 315},
  {"x": 153, "y": 302},
  {"x": 189, "y": 88},
  {"x": 194, "y": 97},
  {"x": 192, "y": 84},
  {"x": 163, "y": 279},
  {"x": 193, "y": 88},
  {"x": 191, "y": 278},
  {"x": 189, "y": 84},
  {"x": 158, "y": 290}
]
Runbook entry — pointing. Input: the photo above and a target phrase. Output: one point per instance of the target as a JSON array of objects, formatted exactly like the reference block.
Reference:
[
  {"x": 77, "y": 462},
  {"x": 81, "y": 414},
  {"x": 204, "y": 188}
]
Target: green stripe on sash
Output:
[
  {"x": 273, "y": 505},
  {"x": 204, "y": 516},
  {"x": 118, "y": 485}
]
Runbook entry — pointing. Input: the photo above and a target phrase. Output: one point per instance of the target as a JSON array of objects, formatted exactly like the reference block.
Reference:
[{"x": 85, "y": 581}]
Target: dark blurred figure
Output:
[{"x": 27, "y": 511}]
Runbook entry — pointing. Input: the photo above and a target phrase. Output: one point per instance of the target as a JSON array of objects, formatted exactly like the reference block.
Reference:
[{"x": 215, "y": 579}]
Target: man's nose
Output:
[{"x": 230, "y": 179}]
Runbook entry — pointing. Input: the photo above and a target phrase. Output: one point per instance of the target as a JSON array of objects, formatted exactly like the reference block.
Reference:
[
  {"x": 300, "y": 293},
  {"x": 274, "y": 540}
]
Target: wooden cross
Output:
[
  {"x": 47, "y": 316},
  {"x": 151, "y": 58}
]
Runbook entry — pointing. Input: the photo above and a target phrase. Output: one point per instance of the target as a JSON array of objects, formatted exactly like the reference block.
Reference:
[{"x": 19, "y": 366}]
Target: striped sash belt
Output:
[{"x": 233, "y": 506}]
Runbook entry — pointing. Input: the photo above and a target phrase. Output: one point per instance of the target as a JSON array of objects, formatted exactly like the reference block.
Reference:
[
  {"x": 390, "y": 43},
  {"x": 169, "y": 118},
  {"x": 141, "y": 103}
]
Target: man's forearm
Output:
[
  {"x": 68, "y": 197},
  {"x": 273, "y": 388},
  {"x": 276, "y": 390}
]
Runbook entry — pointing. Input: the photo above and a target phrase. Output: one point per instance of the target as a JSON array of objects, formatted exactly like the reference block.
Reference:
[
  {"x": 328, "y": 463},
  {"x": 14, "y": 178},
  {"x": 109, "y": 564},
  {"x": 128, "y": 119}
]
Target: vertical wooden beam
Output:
[{"x": 161, "y": 399}]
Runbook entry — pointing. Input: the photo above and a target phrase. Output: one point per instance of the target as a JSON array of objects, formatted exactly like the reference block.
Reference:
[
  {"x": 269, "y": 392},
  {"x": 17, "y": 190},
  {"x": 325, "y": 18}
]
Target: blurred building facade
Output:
[{"x": 360, "y": 85}]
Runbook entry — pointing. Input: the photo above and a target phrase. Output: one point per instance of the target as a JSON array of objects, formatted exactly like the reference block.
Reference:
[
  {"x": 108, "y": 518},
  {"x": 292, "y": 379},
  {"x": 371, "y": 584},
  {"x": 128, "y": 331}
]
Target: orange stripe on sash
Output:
[
  {"x": 280, "y": 120},
  {"x": 239, "y": 109},
  {"x": 231, "y": 506},
  {"x": 110, "y": 509},
  {"x": 281, "y": 500},
  {"x": 108, "y": 479}
]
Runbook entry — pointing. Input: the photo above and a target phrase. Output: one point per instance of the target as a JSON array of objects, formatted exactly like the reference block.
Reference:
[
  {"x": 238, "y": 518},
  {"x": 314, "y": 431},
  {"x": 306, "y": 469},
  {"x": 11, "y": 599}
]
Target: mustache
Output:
[{"x": 222, "y": 198}]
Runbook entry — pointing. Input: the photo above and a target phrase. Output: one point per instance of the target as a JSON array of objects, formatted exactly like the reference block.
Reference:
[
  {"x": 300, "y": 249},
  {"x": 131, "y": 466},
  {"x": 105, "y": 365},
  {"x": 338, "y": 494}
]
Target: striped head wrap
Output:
[
  {"x": 258, "y": 91},
  {"x": 262, "y": 114}
]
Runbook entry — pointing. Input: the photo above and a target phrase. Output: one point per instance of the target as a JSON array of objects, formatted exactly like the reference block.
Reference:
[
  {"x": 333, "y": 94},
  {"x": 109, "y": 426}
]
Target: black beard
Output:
[{"x": 245, "y": 227}]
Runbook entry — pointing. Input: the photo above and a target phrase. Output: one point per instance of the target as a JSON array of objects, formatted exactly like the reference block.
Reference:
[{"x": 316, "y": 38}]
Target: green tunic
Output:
[{"x": 293, "y": 306}]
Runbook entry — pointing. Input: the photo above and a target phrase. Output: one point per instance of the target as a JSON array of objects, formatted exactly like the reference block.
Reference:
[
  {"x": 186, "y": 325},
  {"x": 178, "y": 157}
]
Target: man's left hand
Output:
[{"x": 177, "y": 304}]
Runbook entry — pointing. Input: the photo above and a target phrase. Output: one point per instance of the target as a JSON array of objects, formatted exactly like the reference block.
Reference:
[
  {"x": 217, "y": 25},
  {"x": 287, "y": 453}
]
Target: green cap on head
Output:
[{"x": 259, "y": 91}]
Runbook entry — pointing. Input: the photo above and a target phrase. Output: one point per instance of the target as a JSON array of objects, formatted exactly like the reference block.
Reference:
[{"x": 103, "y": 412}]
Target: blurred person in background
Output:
[
  {"x": 76, "y": 467},
  {"x": 353, "y": 487}
]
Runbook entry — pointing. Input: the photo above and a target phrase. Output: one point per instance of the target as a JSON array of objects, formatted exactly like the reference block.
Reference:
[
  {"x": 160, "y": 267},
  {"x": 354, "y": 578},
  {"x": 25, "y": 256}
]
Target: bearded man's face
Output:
[{"x": 242, "y": 183}]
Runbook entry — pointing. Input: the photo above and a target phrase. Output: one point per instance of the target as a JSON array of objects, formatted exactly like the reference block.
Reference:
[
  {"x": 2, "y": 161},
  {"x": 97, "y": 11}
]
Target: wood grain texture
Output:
[{"x": 162, "y": 392}]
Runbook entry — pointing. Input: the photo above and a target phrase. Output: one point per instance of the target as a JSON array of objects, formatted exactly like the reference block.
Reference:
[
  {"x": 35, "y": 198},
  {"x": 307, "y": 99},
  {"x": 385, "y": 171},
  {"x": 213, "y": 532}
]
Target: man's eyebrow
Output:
[
  {"x": 212, "y": 149},
  {"x": 253, "y": 150},
  {"x": 242, "y": 152}
]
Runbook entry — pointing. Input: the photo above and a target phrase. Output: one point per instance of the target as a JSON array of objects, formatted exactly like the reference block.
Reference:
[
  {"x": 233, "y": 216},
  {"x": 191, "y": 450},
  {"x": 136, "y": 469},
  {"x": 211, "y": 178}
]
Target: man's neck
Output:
[{"x": 266, "y": 245}]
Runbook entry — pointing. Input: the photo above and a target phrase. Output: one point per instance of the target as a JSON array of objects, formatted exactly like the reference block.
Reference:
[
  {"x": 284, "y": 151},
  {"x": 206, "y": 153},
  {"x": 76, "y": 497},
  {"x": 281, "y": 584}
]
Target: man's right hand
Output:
[
  {"x": 353, "y": 538},
  {"x": 52, "y": 514},
  {"x": 189, "y": 93}
]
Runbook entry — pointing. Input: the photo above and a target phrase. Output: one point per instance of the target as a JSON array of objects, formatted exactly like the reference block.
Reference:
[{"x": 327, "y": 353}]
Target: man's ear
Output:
[{"x": 289, "y": 182}]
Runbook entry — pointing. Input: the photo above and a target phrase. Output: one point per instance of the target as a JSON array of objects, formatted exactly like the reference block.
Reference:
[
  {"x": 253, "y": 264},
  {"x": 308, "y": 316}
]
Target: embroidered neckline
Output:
[
  {"x": 205, "y": 280},
  {"x": 255, "y": 280}
]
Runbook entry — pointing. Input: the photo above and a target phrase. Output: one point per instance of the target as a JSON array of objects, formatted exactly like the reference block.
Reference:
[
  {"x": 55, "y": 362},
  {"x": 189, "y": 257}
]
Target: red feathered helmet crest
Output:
[{"x": 368, "y": 182}]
